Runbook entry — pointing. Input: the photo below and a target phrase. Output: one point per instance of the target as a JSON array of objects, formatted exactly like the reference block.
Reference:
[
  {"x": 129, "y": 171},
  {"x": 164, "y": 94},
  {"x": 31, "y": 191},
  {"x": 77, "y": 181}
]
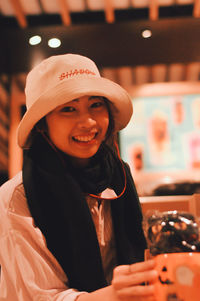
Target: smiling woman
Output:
[{"x": 71, "y": 221}]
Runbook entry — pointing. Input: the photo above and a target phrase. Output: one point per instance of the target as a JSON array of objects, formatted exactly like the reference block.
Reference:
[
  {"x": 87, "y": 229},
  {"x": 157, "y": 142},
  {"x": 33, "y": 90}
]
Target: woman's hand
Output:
[{"x": 127, "y": 280}]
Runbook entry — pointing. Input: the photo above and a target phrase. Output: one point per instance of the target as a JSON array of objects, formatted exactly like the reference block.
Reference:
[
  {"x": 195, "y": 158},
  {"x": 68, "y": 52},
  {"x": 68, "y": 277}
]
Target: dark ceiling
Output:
[{"x": 175, "y": 37}]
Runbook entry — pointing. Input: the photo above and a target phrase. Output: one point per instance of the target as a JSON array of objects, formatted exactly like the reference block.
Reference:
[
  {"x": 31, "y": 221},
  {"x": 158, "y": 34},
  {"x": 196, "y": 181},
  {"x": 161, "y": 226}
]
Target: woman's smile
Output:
[{"x": 85, "y": 138}]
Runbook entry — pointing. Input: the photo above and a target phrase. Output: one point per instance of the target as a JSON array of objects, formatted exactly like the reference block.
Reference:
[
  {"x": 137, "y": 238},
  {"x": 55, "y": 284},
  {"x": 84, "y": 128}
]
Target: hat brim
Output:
[{"x": 72, "y": 89}]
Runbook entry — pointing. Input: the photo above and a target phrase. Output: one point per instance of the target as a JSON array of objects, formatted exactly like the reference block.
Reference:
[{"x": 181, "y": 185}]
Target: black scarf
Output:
[{"x": 56, "y": 197}]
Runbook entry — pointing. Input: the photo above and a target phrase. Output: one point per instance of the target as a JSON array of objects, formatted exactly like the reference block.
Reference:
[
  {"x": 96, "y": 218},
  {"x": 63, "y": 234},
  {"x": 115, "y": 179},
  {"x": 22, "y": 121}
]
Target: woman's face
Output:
[{"x": 78, "y": 127}]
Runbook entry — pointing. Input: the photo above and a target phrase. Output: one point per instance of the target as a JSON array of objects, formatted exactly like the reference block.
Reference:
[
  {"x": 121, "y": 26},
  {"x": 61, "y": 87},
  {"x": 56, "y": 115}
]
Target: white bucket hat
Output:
[{"x": 62, "y": 78}]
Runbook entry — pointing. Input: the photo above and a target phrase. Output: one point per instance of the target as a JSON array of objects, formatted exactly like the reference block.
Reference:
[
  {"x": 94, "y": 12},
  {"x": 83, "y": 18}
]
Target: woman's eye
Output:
[
  {"x": 67, "y": 109},
  {"x": 97, "y": 104}
]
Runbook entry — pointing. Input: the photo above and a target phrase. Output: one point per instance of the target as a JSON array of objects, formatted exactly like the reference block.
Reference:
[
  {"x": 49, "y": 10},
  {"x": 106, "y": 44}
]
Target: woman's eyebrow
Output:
[
  {"x": 75, "y": 100},
  {"x": 94, "y": 97},
  {"x": 90, "y": 98}
]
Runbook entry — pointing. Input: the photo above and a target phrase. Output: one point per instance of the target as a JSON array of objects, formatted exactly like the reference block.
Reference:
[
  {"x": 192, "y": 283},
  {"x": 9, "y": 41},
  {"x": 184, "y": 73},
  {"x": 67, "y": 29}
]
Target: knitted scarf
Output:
[{"x": 55, "y": 194}]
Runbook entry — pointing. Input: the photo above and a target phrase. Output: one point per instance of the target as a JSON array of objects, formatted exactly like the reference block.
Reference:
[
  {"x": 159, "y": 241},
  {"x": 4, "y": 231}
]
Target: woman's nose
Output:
[{"x": 86, "y": 121}]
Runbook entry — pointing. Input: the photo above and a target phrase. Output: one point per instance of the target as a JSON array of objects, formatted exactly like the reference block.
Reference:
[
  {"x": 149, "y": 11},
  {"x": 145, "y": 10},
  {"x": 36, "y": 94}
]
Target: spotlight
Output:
[
  {"x": 146, "y": 33},
  {"x": 34, "y": 40},
  {"x": 54, "y": 43}
]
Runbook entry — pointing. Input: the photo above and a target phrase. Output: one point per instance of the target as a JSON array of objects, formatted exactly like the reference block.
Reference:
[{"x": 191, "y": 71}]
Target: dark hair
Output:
[
  {"x": 39, "y": 128},
  {"x": 110, "y": 135}
]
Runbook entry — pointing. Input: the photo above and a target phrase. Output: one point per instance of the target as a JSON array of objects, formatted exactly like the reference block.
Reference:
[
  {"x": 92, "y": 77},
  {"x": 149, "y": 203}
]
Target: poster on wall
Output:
[{"x": 163, "y": 134}]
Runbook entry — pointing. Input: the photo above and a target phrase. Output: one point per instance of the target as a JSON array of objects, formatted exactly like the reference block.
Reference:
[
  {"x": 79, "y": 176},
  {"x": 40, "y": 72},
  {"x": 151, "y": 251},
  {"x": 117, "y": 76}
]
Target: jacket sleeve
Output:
[{"x": 29, "y": 271}]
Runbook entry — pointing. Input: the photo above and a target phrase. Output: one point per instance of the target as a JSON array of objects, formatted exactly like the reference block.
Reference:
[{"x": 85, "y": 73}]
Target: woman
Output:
[{"x": 72, "y": 215}]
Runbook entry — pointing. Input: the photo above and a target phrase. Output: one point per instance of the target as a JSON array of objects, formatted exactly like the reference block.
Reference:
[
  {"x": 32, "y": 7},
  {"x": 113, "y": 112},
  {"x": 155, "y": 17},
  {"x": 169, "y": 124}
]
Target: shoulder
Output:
[
  {"x": 127, "y": 170},
  {"x": 13, "y": 203},
  {"x": 13, "y": 199},
  {"x": 8, "y": 188}
]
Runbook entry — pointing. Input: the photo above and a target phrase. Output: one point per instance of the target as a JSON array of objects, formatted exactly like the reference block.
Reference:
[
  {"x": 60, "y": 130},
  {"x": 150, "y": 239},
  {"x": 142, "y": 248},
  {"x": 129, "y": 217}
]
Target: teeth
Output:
[{"x": 84, "y": 138}]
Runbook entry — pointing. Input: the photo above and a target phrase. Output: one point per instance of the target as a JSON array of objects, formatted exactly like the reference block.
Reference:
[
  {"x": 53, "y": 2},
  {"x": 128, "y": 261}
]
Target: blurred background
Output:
[{"x": 150, "y": 47}]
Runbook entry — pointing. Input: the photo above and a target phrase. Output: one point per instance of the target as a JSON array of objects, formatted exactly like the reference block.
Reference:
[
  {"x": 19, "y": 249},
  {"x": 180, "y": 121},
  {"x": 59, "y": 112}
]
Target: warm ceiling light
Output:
[
  {"x": 35, "y": 40},
  {"x": 146, "y": 33},
  {"x": 54, "y": 43}
]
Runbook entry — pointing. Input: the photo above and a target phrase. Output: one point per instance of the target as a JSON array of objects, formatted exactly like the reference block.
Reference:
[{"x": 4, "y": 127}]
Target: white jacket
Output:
[{"x": 29, "y": 271}]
